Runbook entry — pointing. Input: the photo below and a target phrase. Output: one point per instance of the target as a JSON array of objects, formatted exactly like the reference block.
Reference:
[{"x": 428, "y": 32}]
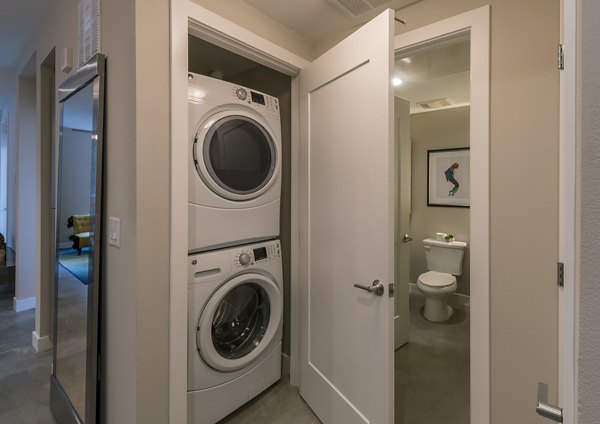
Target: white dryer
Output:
[
  {"x": 235, "y": 313},
  {"x": 234, "y": 183}
]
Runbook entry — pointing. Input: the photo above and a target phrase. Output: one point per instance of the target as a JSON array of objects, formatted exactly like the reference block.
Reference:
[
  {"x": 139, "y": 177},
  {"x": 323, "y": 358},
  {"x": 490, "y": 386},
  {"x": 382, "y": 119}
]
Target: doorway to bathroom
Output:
[
  {"x": 439, "y": 202},
  {"x": 432, "y": 123}
]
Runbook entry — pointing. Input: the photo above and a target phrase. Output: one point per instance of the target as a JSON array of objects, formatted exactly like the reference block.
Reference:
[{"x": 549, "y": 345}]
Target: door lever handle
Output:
[
  {"x": 547, "y": 411},
  {"x": 406, "y": 238},
  {"x": 376, "y": 288}
]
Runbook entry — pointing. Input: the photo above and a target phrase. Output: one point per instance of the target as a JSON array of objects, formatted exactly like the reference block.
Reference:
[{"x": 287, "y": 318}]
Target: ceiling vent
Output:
[
  {"x": 434, "y": 104},
  {"x": 356, "y": 8}
]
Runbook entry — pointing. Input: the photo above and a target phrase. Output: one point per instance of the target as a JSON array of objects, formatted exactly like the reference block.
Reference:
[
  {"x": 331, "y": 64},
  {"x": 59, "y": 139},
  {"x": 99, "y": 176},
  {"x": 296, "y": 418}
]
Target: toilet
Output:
[{"x": 444, "y": 262}]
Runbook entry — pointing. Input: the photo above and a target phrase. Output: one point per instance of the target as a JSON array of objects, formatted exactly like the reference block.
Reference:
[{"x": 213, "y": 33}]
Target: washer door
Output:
[
  {"x": 235, "y": 155},
  {"x": 240, "y": 320}
]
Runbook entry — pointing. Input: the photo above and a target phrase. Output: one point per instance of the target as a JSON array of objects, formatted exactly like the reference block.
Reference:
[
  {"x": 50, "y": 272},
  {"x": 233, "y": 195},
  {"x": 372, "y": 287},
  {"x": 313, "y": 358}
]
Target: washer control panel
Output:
[
  {"x": 255, "y": 97},
  {"x": 256, "y": 254}
]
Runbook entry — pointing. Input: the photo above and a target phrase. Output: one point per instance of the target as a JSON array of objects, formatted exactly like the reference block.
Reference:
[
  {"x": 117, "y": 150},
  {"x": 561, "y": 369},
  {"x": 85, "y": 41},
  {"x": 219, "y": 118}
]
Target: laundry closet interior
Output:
[{"x": 238, "y": 229}]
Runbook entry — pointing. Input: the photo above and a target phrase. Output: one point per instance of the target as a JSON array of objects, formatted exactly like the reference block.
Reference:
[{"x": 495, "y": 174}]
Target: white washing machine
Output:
[
  {"x": 235, "y": 318},
  {"x": 235, "y": 164}
]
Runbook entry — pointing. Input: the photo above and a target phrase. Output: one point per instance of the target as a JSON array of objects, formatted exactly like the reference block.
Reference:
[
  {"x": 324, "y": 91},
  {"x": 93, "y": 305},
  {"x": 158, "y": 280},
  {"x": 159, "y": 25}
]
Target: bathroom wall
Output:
[{"x": 443, "y": 129}]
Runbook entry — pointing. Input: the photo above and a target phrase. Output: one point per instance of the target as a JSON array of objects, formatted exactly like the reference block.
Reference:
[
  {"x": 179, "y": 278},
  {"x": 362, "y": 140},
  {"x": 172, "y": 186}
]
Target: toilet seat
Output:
[{"x": 436, "y": 279}]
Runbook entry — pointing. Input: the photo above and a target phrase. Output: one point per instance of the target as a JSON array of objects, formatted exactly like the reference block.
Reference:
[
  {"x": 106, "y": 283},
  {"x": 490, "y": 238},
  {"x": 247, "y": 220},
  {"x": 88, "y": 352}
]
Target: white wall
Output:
[
  {"x": 26, "y": 226},
  {"x": 589, "y": 217},
  {"x": 443, "y": 129}
]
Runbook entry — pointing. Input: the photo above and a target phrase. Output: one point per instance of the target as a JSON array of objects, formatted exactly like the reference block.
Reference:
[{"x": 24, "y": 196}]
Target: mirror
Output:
[{"x": 78, "y": 229}]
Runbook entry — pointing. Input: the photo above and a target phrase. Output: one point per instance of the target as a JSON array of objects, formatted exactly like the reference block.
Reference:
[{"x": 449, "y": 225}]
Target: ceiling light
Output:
[{"x": 396, "y": 81}]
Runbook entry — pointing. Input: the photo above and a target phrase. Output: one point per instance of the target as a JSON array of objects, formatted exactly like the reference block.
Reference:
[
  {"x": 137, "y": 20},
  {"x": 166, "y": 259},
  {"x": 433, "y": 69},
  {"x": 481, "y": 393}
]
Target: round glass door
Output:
[
  {"x": 238, "y": 156},
  {"x": 239, "y": 322}
]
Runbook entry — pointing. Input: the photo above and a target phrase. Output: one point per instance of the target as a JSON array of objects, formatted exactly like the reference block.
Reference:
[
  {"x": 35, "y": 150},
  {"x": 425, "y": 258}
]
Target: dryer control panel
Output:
[
  {"x": 255, "y": 97},
  {"x": 256, "y": 254}
]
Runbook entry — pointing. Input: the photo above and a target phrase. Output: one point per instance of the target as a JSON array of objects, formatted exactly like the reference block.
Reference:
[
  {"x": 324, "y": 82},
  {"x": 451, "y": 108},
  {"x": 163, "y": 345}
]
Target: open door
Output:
[
  {"x": 347, "y": 228},
  {"x": 403, "y": 209}
]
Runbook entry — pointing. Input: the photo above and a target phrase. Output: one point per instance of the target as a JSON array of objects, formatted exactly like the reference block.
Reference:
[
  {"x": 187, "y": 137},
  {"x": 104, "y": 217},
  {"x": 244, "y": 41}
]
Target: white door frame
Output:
[
  {"x": 188, "y": 17},
  {"x": 567, "y": 295},
  {"x": 477, "y": 21}
]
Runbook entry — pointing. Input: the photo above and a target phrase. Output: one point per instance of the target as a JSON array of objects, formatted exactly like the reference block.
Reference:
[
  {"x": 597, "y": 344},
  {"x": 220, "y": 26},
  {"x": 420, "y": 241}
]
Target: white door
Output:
[
  {"x": 347, "y": 228},
  {"x": 403, "y": 208}
]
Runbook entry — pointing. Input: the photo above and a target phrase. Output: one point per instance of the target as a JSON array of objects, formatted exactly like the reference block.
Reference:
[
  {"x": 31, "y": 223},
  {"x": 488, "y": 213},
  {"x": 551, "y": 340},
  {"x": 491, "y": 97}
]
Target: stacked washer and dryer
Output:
[{"x": 235, "y": 283}]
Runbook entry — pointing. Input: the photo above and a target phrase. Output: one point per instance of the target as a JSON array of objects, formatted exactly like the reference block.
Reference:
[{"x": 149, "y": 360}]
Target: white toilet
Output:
[{"x": 444, "y": 261}]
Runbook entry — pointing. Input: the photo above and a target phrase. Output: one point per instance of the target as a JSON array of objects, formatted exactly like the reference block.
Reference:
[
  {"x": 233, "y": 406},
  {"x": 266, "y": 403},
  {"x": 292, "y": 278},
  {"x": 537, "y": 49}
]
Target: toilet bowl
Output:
[
  {"x": 436, "y": 287},
  {"x": 444, "y": 262}
]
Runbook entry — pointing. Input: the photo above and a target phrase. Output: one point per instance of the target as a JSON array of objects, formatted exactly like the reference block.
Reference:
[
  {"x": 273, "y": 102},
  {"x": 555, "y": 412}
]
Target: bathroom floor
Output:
[{"x": 432, "y": 369}]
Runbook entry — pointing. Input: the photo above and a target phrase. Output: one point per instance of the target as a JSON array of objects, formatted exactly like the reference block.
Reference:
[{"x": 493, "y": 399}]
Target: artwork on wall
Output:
[{"x": 448, "y": 177}]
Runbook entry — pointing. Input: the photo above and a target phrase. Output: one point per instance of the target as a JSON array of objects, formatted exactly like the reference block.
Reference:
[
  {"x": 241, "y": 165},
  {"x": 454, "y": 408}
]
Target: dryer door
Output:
[
  {"x": 240, "y": 321},
  {"x": 236, "y": 155}
]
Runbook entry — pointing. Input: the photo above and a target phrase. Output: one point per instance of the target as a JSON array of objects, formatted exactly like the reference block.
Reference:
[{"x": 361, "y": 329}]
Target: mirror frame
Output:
[{"x": 92, "y": 72}]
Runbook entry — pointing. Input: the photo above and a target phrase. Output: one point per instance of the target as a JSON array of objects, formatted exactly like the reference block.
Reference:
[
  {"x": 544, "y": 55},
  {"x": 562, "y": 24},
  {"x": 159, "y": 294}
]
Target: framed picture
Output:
[{"x": 448, "y": 177}]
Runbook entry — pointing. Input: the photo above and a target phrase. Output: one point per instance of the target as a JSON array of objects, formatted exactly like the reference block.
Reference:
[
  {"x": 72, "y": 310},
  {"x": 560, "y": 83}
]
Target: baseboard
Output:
[
  {"x": 20, "y": 305},
  {"x": 455, "y": 298},
  {"x": 285, "y": 363},
  {"x": 40, "y": 344}
]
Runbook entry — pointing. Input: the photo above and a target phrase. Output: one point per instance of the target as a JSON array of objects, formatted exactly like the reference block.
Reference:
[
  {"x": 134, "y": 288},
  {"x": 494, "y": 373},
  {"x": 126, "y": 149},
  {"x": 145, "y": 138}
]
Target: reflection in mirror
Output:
[{"x": 74, "y": 232}]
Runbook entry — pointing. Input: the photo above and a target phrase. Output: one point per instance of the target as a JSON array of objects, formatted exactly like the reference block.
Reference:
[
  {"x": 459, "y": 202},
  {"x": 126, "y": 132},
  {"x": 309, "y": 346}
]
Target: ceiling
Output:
[
  {"x": 18, "y": 18},
  {"x": 438, "y": 71},
  {"x": 318, "y": 19}
]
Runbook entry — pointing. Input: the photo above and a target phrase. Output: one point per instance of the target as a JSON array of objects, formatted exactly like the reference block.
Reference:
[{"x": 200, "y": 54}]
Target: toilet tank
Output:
[{"x": 442, "y": 256}]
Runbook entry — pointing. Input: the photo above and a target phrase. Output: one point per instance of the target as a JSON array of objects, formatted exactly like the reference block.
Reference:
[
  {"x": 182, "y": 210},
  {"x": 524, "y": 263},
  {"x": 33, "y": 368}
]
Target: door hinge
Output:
[
  {"x": 561, "y": 57},
  {"x": 52, "y": 368},
  {"x": 560, "y": 274},
  {"x": 391, "y": 290}
]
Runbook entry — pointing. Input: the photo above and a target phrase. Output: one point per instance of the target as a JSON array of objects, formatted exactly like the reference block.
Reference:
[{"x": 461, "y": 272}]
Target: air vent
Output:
[
  {"x": 434, "y": 104},
  {"x": 357, "y": 8},
  {"x": 89, "y": 29}
]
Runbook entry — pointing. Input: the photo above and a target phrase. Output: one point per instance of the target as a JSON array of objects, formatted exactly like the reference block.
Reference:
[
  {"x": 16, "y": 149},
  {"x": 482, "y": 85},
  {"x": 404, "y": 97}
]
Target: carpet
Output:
[{"x": 75, "y": 264}]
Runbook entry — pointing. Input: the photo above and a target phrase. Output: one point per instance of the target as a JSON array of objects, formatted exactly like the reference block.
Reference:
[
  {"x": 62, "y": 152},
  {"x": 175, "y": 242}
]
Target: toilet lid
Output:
[{"x": 437, "y": 279}]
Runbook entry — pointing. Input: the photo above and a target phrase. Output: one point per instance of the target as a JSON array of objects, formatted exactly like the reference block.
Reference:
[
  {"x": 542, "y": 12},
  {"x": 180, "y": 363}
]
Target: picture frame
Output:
[{"x": 448, "y": 177}]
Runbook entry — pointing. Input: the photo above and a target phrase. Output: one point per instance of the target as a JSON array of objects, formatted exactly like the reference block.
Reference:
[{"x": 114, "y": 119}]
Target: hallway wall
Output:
[
  {"x": 26, "y": 227},
  {"x": 135, "y": 39},
  {"x": 588, "y": 216}
]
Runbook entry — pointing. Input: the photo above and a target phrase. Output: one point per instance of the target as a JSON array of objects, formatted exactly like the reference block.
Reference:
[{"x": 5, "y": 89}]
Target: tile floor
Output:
[{"x": 432, "y": 369}]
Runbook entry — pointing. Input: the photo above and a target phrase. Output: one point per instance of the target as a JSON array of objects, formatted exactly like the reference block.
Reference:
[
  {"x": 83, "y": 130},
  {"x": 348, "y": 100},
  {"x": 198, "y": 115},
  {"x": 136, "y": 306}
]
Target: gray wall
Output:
[
  {"x": 444, "y": 129},
  {"x": 75, "y": 179},
  {"x": 25, "y": 245},
  {"x": 589, "y": 218}
]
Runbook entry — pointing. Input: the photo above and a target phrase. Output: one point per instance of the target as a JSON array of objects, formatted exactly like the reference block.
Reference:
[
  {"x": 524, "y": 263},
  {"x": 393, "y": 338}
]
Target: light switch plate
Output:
[{"x": 114, "y": 231}]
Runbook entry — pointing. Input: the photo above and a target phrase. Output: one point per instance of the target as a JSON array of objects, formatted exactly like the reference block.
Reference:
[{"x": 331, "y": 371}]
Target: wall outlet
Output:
[{"x": 114, "y": 231}]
